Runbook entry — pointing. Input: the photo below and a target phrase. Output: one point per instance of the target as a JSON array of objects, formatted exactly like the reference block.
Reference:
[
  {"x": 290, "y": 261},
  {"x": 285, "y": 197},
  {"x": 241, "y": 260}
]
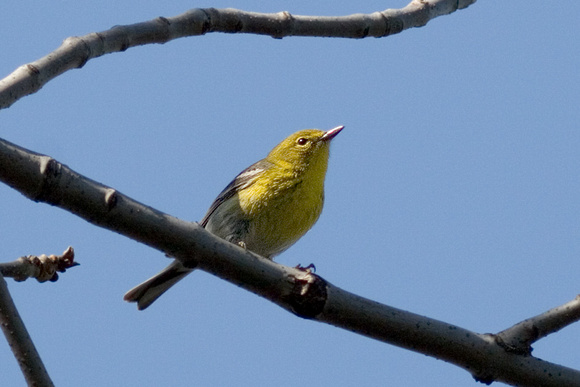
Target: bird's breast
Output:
[{"x": 280, "y": 214}]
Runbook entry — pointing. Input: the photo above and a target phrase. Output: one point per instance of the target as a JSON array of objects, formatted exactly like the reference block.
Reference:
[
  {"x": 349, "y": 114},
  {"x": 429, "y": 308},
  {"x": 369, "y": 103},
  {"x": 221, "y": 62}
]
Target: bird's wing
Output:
[{"x": 243, "y": 180}]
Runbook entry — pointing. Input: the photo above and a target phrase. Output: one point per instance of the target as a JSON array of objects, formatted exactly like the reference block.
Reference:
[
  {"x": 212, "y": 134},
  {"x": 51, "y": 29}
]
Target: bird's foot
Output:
[{"x": 309, "y": 269}]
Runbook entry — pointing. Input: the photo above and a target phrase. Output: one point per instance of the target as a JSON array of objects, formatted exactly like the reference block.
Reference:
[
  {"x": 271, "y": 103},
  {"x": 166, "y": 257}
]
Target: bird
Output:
[{"x": 266, "y": 208}]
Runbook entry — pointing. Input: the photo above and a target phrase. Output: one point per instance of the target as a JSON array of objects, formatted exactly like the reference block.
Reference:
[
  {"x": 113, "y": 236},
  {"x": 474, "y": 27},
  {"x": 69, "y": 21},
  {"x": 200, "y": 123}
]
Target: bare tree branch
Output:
[
  {"x": 42, "y": 267},
  {"x": 20, "y": 341},
  {"x": 76, "y": 51},
  {"x": 42, "y": 178},
  {"x": 503, "y": 357}
]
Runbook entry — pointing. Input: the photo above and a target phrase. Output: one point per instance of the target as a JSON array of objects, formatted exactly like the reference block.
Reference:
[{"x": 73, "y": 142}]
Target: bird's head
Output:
[{"x": 305, "y": 149}]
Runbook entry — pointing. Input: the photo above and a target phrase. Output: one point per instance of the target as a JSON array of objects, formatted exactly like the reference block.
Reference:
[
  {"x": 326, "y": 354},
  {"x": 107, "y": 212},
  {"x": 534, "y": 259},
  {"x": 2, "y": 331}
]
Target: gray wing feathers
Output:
[{"x": 147, "y": 292}]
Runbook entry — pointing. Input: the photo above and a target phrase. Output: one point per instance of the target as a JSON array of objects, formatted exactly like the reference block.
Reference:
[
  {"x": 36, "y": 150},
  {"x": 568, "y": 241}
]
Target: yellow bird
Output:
[{"x": 266, "y": 208}]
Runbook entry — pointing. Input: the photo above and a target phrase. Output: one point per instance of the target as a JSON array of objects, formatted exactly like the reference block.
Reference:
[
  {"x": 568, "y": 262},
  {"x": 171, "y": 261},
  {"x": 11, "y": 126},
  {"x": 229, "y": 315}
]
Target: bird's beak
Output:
[{"x": 330, "y": 134}]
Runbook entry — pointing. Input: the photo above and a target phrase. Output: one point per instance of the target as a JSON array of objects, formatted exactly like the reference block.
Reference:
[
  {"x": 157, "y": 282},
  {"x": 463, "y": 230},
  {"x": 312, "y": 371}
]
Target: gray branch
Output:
[
  {"x": 74, "y": 52},
  {"x": 20, "y": 342},
  {"x": 305, "y": 294}
]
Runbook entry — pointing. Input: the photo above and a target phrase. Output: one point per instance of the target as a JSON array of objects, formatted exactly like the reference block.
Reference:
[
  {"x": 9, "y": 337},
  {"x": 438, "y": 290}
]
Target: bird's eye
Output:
[{"x": 302, "y": 141}]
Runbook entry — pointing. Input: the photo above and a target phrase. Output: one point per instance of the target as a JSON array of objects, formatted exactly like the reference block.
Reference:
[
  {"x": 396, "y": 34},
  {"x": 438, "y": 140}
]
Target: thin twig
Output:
[
  {"x": 521, "y": 336},
  {"x": 20, "y": 342},
  {"x": 42, "y": 267}
]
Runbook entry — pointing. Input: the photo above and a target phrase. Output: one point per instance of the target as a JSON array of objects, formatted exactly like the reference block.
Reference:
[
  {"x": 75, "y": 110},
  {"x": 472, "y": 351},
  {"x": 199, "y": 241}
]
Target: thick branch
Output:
[
  {"x": 43, "y": 179},
  {"x": 20, "y": 342},
  {"x": 479, "y": 354},
  {"x": 76, "y": 51}
]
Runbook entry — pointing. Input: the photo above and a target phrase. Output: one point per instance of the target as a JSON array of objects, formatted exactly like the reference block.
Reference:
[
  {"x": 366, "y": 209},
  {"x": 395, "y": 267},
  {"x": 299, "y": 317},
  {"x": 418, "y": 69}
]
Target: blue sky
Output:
[{"x": 453, "y": 191}]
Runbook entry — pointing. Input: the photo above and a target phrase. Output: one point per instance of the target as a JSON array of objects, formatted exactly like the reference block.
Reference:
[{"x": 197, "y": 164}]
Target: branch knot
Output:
[{"x": 308, "y": 296}]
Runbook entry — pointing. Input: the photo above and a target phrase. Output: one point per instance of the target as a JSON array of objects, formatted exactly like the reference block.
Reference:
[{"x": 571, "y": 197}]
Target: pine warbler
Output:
[{"x": 266, "y": 208}]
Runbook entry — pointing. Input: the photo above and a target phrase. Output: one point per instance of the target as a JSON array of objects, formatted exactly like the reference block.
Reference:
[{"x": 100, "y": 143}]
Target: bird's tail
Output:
[{"x": 147, "y": 292}]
